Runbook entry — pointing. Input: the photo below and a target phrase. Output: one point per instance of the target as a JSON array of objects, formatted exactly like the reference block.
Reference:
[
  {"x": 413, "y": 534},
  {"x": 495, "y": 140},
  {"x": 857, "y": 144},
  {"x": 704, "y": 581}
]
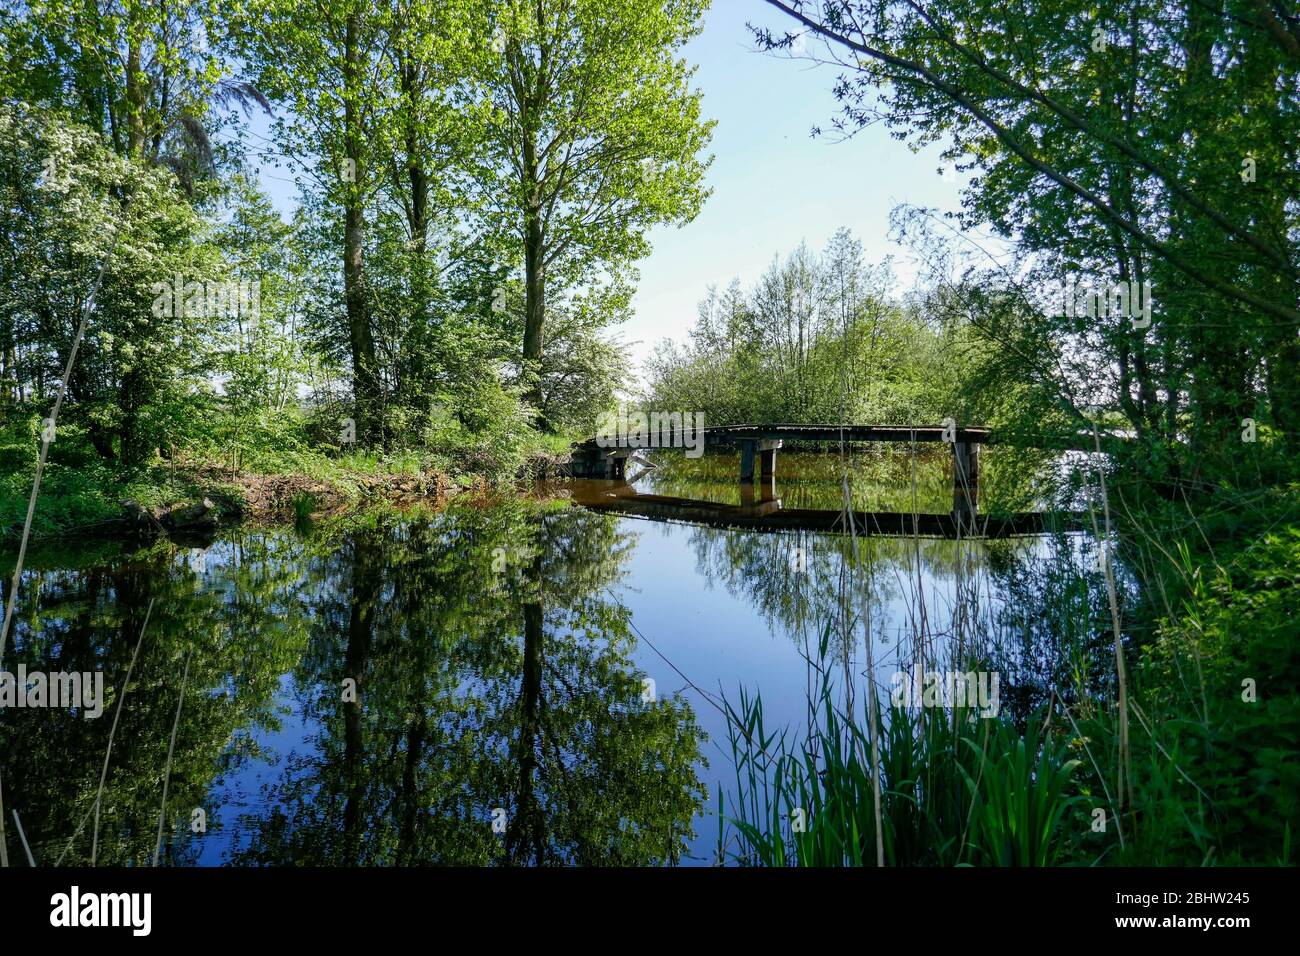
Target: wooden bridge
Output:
[
  {"x": 758, "y": 444},
  {"x": 606, "y": 458}
]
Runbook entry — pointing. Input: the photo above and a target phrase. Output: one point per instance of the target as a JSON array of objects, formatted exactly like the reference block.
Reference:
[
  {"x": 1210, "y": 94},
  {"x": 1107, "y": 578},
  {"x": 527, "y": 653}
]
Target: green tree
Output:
[
  {"x": 1135, "y": 142},
  {"x": 323, "y": 65},
  {"x": 145, "y": 75},
  {"x": 594, "y": 136},
  {"x": 78, "y": 207},
  {"x": 261, "y": 357}
]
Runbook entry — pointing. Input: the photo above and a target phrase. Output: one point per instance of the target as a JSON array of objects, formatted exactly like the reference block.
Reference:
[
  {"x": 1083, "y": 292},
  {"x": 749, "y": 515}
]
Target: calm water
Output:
[{"x": 526, "y": 660}]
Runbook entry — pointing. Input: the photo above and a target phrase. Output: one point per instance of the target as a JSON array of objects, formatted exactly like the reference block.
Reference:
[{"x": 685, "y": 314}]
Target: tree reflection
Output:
[
  {"x": 91, "y": 619},
  {"x": 485, "y": 685},
  {"x": 493, "y": 673}
]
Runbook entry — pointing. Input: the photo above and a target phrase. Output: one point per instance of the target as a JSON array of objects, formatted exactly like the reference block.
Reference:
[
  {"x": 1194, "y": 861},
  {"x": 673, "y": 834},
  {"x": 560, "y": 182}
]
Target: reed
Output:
[{"x": 956, "y": 788}]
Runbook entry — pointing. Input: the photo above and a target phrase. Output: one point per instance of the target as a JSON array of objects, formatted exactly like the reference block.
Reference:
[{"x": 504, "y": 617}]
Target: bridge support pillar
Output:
[
  {"x": 765, "y": 450},
  {"x": 616, "y": 464},
  {"x": 747, "y": 447},
  {"x": 965, "y": 479}
]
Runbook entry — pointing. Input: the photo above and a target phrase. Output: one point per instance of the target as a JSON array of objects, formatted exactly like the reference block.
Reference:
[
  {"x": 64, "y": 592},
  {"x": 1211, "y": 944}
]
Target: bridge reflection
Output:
[{"x": 761, "y": 509}]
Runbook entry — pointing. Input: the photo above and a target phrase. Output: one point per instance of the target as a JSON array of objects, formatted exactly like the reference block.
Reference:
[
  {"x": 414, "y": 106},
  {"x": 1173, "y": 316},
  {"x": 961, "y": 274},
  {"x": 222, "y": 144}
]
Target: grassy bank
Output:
[{"x": 272, "y": 474}]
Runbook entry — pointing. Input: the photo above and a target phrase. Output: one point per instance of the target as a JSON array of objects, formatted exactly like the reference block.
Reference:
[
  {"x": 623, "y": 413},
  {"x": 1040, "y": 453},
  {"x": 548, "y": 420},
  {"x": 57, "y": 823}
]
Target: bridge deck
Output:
[
  {"x": 854, "y": 433},
  {"x": 971, "y": 435}
]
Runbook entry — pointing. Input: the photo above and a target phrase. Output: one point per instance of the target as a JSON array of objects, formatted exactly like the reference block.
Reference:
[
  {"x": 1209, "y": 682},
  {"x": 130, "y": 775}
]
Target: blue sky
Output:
[{"x": 773, "y": 184}]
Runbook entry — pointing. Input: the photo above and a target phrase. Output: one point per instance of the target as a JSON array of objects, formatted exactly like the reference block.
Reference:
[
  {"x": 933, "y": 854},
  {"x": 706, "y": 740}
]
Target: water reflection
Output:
[
  {"x": 498, "y": 651},
  {"x": 493, "y": 678},
  {"x": 882, "y": 478},
  {"x": 1014, "y": 606},
  {"x": 707, "y": 492}
]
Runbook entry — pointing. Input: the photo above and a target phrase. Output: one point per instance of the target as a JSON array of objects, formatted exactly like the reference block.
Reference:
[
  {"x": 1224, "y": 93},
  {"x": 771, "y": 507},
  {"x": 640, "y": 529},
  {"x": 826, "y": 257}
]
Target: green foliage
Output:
[
  {"x": 83, "y": 208},
  {"x": 490, "y": 434},
  {"x": 393, "y": 118},
  {"x": 1219, "y": 682},
  {"x": 1018, "y": 798},
  {"x": 78, "y": 490},
  {"x": 818, "y": 339},
  {"x": 592, "y": 136},
  {"x": 143, "y": 76},
  {"x": 1126, "y": 140}
]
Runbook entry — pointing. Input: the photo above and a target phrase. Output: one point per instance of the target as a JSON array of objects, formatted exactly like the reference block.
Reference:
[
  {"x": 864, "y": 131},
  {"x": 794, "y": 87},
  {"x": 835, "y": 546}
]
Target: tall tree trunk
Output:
[
  {"x": 130, "y": 440},
  {"x": 365, "y": 370},
  {"x": 534, "y": 301},
  {"x": 1281, "y": 337},
  {"x": 9, "y": 360},
  {"x": 414, "y": 375},
  {"x": 135, "y": 92},
  {"x": 416, "y": 173}
]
